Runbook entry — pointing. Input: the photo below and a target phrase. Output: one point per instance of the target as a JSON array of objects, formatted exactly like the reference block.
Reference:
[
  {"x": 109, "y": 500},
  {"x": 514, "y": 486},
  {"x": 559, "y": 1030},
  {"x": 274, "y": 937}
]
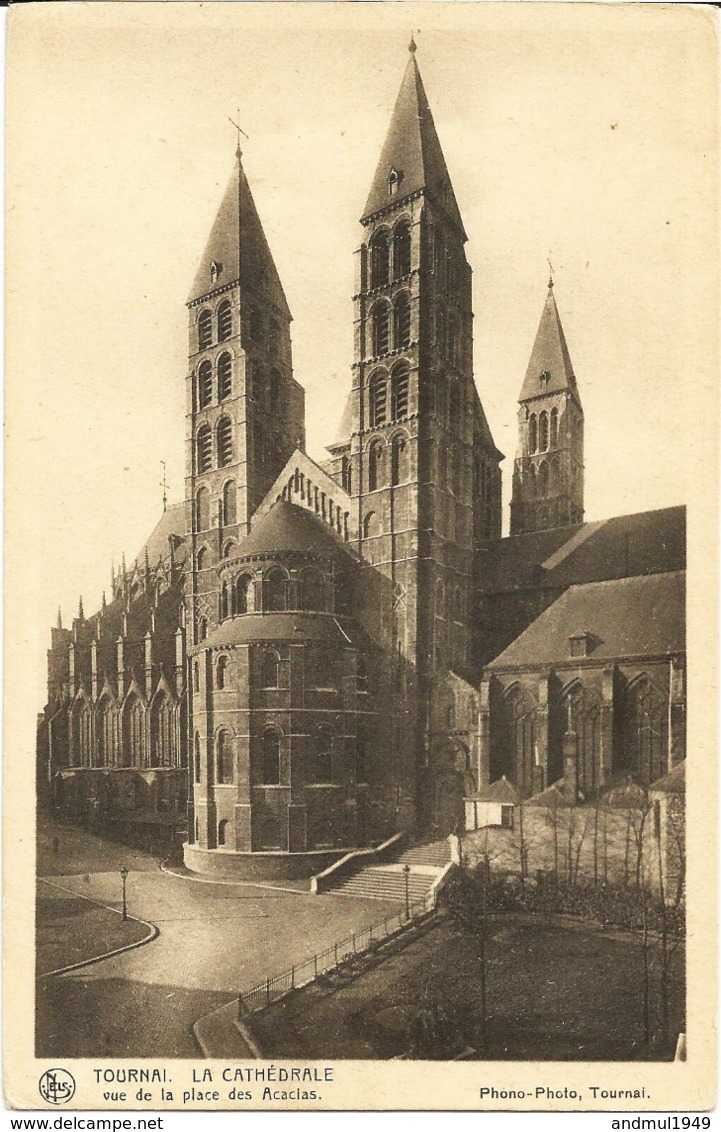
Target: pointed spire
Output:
[
  {"x": 237, "y": 247},
  {"x": 60, "y": 618},
  {"x": 550, "y": 369},
  {"x": 104, "y": 603},
  {"x": 112, "y": 577},
  {"x": 81, "y": 615},
  {"x": 413, "y": 152}
]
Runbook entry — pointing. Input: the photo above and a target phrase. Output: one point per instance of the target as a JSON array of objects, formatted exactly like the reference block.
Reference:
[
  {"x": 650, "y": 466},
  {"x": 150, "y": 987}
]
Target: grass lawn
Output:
[
  {"x": 556, "y": 991},
  {"x": 71, "y": 930}
]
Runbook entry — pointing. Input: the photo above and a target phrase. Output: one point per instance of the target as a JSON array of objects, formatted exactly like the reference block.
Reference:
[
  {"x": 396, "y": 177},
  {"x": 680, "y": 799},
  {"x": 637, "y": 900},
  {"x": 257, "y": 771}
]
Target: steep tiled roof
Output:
[
  {"x": 549, "y": 356},
  {"x": 238, "y": 245},
  {"x": 499, "y": 791},
  {"x": 171, "y": 523},
  {"x": 626, "y": 617},
  {"x": 299, "y": 627},
  {"x": 286, "y": 528},
  {"x": 649, "y": 542},
  {"x": 412, "y": 148}
]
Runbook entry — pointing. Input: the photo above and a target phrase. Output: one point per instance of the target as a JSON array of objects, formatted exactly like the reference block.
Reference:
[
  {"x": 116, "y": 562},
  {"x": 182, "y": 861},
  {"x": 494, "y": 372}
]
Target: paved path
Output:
[{"x": 214, "y": 940}]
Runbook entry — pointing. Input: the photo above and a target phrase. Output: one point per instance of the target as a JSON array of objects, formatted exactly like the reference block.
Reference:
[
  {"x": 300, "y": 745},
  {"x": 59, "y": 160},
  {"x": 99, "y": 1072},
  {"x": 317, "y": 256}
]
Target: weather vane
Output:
[
  {"x": 164, "y": 485},
  {"x": 239, "y": 129},
  {"x": 550, "y": 272}
]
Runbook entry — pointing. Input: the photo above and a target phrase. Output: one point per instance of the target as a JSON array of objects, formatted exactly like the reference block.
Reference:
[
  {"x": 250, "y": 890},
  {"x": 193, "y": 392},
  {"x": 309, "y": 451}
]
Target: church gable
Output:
[{"x": 305, "y": 484}]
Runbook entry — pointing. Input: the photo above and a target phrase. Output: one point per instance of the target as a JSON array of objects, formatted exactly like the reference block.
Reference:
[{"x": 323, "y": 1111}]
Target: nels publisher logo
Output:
[{"x": 56, "y": 1086}]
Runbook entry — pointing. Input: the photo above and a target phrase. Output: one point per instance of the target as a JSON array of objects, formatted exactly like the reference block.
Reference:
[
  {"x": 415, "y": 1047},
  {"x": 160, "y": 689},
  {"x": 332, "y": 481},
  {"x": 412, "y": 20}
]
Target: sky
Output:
[{"x": 581, "y": 132}]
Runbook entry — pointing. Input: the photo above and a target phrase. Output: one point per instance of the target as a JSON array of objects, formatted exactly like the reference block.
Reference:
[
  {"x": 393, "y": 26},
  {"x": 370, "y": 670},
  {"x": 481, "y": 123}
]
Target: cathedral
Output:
[{"x": 307, "y": 658}]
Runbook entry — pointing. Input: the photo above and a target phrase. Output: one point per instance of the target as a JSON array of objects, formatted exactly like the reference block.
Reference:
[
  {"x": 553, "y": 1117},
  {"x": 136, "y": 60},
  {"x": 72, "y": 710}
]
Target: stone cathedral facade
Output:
[{"x": 307, "y": 658}]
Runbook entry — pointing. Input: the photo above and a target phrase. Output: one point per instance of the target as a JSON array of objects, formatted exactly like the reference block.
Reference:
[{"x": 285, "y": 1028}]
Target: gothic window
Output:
[
  {"x": 135, "y": 732},
  {"x": 644, "y": 749},
  {"x": 162, "y": 745},
  {"x": 532, "y": 433},
  {"x": 516, "y": 739},
  {"x": 380, "y": 328},
  {"x": 554, "y": 428},
  {"x": 533, "y": 482},
  {"x": 224, "y": 602},
  {"x": 310, "y": 590},
  {"x": 400, "y": 379},
  {"x": 323, "y": 762},
  {"x": 107, "y": 733},
  {"x": 222, "y": 831},
  {"x": 361, "y": 757},
  {"x": 225, "y": 376},
  {"x": 220, "y": 672},
  {"x": 402, "y": 250},
  {"x": 196, "y": 752},
  {"x": 229, "y": 504},
  {"x": 205, "y": 330},
  {"x": 274, "y": 390},
  {"x": 402, "y": 321},
  {"x": 375, "y": 461},
  {"x": 346, "y": 475},
  {"x": 225, "y": 321},
  {"x": 270, "y": 770},
  {"x": 580, "y": 713},
  {"x": 225, "y": 442},
  {"x": 224, "y": 758},
  {"x": 378, "y": 396},
  {"x": 196, "y": 677},
  {"x": 370, "y": 525},
  {"x": 270, "y": 669},
  {"x": 543, "y": 431},
  {"x": 379, "y": 259},
  {"x": 204, "y": 448},
  {"x": 242, "y": 588},
  {"x": 275, "y": 590},
  {"x": 399, "y": 460},
  {"x": 202, "y": 509},
  {"x": 205, "y": 384}
]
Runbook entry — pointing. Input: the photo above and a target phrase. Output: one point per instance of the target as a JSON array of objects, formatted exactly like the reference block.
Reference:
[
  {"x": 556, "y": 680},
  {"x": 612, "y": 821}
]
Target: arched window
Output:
[
  {"x": 533, "y": 482},
  {"x": 220, "y": 672},
  {"x": 205, "y": 330},
  {"x": 204, "y": 448},
  {"x": 205, "y": 385},
  {"x": 543, "y": 478},
  {"x": 361, "y": 757},
  {"x": 346, "y": 474},
  {"x": 399, "y": 460},
  {"x": 543, "y": 431},
  {"x": 224, "y": 758},
  {"x": 399, "y": 397},
  {"x": 224, "y": 601},
  {"x": 275, "y": 590},
  {"x": 230, "y": 548},
  {"x": 402, "y": 321},
  {"x": 107, "y": 733},
  {"x": 323, "y": 761},
  {"x": 378, "y": 395},
  {"x": 225, "y": 321},
  {"x": 203, "y": 629},
  {"x": 196, "y": 753},
  {"x": 579, "y": 711},
  {"x": 375, "y": 458},
  {"x": 196, "y": 676},
  {"x": 370, "y": 525},
  {"x": 229, "y": 504},
  {"x": 514, "y": 751},
  {"x": 379, "y": 259},
  {"x": 225, "y": 376},
  {"x": 402, "y": 250},
  {"x": 532, "y": 433},
  {"x": 225, "y": 442},
  {"x": 202, "y": 559},
  {"x": 270, "y": 669},
  {"x": 270, "y": 769},
  {"x": 242, "y": 589},
  {"x": 162, "y": 745},
  {"x": 202, "y": 509},
  {"x": 380, "y": 328},
  {"x": 554, "y": 428},
  {"x": 222, "y": 831},
  {"x": 274, "y": 384},
  {"x": 644, "y": 728},
  {"x": 311, "y": 591},
  {"x": 134, "y": 732}
]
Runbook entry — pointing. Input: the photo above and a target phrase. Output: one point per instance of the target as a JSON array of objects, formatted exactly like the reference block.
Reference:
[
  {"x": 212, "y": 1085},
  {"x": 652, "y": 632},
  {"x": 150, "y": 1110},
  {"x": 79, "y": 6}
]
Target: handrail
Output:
[
  {"x": 318, "y": 882},
  {"x": 339, "y": 954}
]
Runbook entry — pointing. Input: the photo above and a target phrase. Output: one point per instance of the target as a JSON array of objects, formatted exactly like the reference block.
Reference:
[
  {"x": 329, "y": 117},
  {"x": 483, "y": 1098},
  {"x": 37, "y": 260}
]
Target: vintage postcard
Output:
[{"x": 360, "y": 725}]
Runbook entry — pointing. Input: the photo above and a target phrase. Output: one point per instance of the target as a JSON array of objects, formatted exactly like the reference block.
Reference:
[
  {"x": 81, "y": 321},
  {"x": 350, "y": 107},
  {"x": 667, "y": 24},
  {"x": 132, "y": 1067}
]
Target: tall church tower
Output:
[
  {"x": 416, "y": 454},
  {"x": 244, "y": 410},
  {"x": 548, "y": 472}
]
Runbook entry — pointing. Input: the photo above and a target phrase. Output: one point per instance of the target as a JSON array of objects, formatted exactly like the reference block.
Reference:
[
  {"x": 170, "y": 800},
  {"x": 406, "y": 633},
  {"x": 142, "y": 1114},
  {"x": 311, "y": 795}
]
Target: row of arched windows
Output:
[
  {"x": 319, "y": 765},
  {"x": 120, "y": 735},
  {"x": 378, "y": 459},
  {"x": 222, "y": 324},
  {"x": 320, "y": 671},
  {"x": 223, "y": 445},
  {"x": 205, "y": 380},
  {"x": 386, "y": 316},
  {"x": 543, "y": 480},
  {"x": 542, "y": 431},
  {"x": 390, "y": 254},
  {"x": 378, "y": 400},
  {"x": 228, "y": 513},
  {"x": 276, "y": 593}
]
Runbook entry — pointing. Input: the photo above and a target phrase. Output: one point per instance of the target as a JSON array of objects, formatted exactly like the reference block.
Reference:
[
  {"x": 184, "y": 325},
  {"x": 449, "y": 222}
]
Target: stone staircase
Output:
[{"x": 388, "y": 881}]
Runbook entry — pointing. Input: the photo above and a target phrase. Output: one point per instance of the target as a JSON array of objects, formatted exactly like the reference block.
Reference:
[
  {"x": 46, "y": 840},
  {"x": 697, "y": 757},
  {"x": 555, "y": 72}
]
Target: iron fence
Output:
[{"x": 336, "y": 959}]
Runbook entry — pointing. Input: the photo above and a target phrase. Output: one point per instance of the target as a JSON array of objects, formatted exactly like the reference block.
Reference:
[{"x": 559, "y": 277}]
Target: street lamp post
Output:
[
  {"x": 407, "y": 871},
  {"x": 124, "y": 875}
]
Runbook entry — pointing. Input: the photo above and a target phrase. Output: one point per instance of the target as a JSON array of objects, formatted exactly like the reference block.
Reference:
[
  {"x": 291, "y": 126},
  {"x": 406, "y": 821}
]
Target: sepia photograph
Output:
[{"x": 362, "y": 370}]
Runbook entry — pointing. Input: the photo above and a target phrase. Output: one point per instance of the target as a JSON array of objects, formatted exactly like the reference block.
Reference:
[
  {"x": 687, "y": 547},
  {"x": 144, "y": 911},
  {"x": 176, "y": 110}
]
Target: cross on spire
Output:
[
  {"x": 550, "y": 274},
  {"x": 240, "y": 131},
  {"x": 164, "y": 485}
]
